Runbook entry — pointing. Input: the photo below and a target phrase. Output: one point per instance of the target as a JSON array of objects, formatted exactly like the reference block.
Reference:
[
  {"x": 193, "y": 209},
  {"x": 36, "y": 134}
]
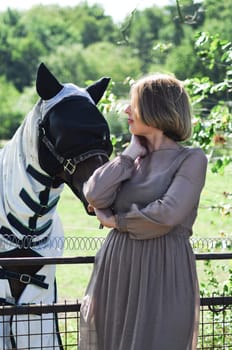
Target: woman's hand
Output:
[
  {"x": 136, "y": 148},
  {"x": 105, "y": 216}
]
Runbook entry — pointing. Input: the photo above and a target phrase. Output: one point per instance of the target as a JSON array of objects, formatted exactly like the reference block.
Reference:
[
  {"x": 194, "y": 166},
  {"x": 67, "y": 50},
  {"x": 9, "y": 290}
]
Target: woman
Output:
[{"x": 143, "y": 293}]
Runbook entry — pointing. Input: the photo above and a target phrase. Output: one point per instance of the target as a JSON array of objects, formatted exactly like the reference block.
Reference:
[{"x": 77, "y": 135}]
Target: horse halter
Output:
[{"x": 69, "y": 164}]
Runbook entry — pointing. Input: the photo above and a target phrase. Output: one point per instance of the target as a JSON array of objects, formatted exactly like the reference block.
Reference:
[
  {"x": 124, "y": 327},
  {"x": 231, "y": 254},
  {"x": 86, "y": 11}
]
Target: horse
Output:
[{"x": 62, "y": 140}]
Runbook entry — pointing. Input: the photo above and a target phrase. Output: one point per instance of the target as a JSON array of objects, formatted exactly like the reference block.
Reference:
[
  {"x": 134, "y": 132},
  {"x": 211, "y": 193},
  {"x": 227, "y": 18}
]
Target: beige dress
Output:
[{"x": 143, "y": 293}]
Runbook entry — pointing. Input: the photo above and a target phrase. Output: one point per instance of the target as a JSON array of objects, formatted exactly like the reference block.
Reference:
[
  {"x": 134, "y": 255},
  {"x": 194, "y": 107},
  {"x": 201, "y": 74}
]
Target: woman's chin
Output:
[{"x": 131, "y": 129}]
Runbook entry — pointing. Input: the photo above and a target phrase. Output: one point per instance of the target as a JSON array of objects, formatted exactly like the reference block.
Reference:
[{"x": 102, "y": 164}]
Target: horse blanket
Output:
[{"x": 25, "y": 192}]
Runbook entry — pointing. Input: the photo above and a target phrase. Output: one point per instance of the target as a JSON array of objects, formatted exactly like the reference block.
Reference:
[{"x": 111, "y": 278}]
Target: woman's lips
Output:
[{"x": 130, "y": 121}]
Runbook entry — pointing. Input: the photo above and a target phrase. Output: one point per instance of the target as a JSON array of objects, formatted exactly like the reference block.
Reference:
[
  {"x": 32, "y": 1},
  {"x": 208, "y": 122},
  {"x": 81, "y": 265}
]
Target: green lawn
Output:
[{"x": 211, "y": 222}]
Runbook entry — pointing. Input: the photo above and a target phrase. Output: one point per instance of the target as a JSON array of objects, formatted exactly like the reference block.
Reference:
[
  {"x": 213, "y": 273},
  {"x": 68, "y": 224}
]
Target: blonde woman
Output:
[{"x": 143, "y": 293}]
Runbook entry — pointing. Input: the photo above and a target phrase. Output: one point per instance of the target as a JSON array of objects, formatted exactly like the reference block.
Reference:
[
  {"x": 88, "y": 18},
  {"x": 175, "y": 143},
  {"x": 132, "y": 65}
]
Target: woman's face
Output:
[{"x": 136, "y": 125}]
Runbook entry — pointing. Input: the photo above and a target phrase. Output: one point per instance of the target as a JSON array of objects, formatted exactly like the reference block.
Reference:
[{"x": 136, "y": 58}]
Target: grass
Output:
[
  {"x": 215, "y": 210},
  {"x": 72, "y": 279},
  {"x": 213, "y": 221}
]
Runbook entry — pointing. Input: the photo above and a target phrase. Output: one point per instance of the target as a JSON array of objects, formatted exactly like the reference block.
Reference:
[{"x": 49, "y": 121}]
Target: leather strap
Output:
[{"x": 24, "y": 278}]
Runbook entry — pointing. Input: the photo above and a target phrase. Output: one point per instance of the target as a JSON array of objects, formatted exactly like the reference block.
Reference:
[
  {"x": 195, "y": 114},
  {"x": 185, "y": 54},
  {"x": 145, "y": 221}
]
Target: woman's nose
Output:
[{"x": 127, "y": 110}]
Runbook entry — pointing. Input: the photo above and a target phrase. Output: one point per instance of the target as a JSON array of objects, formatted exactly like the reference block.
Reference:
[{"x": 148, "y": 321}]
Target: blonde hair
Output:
[{"x": 161, "y": 101}]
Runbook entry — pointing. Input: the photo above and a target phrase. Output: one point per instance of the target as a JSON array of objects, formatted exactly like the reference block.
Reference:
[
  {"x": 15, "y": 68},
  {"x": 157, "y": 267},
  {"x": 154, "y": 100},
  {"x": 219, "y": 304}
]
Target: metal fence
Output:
[
  {"x": 215, "y": 328},
  {"x": 29, "y": 326},
  {"x": 29, "y": 322}
]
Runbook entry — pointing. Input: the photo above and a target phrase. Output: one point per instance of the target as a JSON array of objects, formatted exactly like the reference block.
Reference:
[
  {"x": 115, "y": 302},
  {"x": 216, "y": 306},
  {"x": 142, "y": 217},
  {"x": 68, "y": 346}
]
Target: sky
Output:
[{"x": 117, "y": 9}]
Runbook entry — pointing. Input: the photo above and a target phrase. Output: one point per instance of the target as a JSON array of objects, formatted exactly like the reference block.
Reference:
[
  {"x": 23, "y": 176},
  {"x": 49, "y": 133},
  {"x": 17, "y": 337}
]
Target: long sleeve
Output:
[
  {"x": 101, "y": 188},
  {"x": 179, "y": 202}
]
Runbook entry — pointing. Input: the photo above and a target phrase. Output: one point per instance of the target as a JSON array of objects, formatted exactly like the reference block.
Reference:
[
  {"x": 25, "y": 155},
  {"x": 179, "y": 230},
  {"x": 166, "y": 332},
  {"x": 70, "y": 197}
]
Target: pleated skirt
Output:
[{"x": 142, "y": 295}]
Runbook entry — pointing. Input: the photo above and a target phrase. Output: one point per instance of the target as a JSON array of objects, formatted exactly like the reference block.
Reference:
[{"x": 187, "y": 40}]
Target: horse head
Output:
[{"x": 74, "y": 137}]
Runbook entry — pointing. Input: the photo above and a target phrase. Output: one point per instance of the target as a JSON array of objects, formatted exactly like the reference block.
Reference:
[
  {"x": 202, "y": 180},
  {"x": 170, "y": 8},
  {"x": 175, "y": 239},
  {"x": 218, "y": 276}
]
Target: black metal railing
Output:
[{"x": 215, "y": 328}]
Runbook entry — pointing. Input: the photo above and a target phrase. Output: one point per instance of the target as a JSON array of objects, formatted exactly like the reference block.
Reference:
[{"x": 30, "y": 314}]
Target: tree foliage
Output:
[
  {"x": 212, "y": 99},
  {"x": 80, "y": 44},
  {"x": 10, "y": 116}
]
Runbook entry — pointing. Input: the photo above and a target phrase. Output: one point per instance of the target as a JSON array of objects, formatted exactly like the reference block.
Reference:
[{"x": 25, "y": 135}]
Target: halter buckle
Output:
[
  {"x": 25, "y": 278},
  {"x": 69, "y": 166}
]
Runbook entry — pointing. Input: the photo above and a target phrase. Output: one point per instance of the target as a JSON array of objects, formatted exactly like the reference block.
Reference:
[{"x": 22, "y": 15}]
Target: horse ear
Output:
[
  {"x": 47, "y": 85},
  {"x": 97, "y": 89}
]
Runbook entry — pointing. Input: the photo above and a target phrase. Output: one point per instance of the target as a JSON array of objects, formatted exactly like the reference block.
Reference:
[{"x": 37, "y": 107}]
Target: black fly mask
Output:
[{"x": 74, "y": 136}]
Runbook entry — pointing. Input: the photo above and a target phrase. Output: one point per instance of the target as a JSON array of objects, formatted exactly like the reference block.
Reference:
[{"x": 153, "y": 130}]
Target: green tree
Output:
[
  {"x": 140, "y": 32},
  {"x": 93, "y": 25},
  {"x": 80, "y": 65},
  {"x": 10, "y": 116},
  {"x": 69, "y": 64},
  {"x": 212, "y": 100},
  {"x": 28, "y": 36},
  {"x": 108, "y": 59},
  {"x": 218, "y": 18},
  {"x": 49, "y": 25},
  {"x": 19, "y": 51}
]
